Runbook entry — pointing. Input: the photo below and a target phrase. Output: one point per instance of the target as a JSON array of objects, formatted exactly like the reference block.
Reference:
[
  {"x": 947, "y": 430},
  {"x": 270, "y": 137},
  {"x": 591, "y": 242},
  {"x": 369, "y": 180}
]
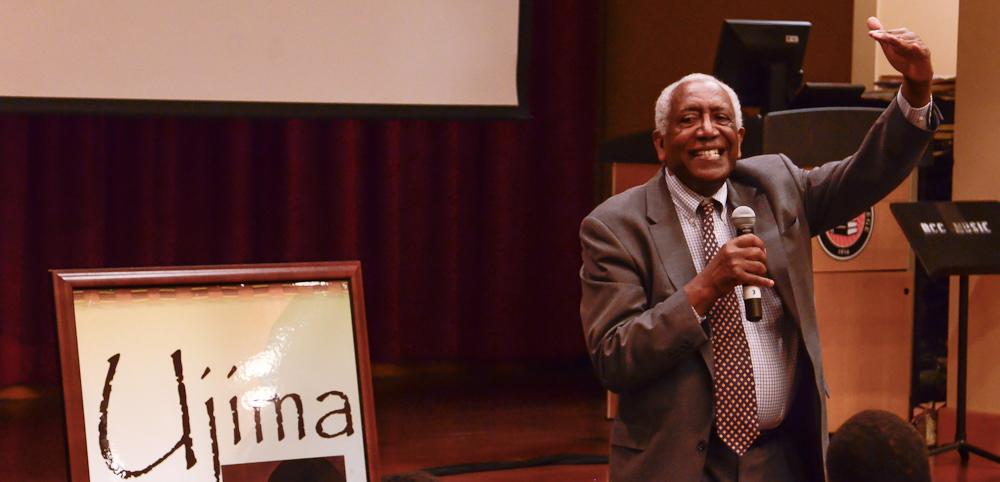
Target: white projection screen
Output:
[{"x": 369, "y": 58}]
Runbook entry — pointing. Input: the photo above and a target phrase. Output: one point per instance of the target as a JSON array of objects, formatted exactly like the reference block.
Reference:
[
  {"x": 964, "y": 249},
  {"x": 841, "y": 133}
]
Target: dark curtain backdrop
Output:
[{"x": 466, "y": 230}]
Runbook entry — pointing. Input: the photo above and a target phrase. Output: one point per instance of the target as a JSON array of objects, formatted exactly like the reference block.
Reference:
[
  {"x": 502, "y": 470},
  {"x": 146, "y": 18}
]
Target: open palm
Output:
[{"x": 904, "y": 50}]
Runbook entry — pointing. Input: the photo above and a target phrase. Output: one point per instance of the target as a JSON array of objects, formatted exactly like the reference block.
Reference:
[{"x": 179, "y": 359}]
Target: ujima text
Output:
[{"x": 186, "y": 442}]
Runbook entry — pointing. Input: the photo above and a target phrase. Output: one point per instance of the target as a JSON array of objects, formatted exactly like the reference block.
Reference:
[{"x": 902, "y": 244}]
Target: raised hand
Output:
[{"x": 907, "y": 53}]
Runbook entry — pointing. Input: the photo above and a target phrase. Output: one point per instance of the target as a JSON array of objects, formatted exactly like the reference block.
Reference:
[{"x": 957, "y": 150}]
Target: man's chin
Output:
[
  {"x": 713, "y": 176},
  {"x": 706, "y": 186}
]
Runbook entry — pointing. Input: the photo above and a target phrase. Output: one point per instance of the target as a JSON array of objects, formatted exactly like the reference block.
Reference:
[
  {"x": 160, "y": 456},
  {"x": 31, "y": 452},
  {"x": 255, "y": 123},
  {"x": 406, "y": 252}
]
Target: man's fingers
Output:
[
  {"x": 753, "y": 254},
  {"x": 902, "y": 36},
  {"x": 760, "y": 281},
  {"x": 900, "y": 39},
  {"x": 907, "y": 47},
  {"x": 874, "y": 23},
  {"x": 751, "y": 268},
  {"x": 752, "y": 260},
  {"x": 748, "y": 241},
  {"x": 886, "y": 39},
  {"x": 751, "y": 279},
  {"x": 896, "y": 32}
]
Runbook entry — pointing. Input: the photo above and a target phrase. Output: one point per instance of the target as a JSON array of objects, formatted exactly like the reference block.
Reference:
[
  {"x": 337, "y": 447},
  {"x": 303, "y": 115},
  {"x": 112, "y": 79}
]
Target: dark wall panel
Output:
[{"x": 651, "y": 43}]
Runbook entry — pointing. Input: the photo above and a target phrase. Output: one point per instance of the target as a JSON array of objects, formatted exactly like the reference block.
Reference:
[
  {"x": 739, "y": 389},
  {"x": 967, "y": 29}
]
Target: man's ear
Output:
[
  {"x": 659, "y": 143},
  {"x": 739, "y": 142}
]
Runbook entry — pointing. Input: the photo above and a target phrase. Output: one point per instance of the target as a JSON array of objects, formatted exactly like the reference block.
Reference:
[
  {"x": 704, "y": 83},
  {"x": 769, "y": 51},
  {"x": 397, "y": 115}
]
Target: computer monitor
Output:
[{"x": 762, "y": 60}]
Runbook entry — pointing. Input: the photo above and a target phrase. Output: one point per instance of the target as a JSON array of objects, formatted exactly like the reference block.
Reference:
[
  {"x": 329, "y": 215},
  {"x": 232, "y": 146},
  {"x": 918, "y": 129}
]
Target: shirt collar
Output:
[{"x": 687, "y": 201}]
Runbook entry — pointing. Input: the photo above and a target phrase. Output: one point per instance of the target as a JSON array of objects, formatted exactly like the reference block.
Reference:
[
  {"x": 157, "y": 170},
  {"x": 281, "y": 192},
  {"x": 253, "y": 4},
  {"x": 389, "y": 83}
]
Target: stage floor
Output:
[{"x": 430, "y": 417}]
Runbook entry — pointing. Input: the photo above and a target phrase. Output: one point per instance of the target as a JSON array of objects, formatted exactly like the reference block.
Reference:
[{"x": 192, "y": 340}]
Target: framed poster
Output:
[{"x": 217, "y": 373}]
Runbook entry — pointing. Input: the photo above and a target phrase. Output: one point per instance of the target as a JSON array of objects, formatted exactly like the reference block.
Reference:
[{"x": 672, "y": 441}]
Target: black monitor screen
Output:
[{"x": 762, "y": 60}]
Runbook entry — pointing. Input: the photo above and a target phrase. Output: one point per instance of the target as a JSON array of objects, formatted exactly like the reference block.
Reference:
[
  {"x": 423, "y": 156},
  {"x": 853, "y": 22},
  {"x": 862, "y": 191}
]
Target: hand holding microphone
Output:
[{"x": 741, "y": 261}]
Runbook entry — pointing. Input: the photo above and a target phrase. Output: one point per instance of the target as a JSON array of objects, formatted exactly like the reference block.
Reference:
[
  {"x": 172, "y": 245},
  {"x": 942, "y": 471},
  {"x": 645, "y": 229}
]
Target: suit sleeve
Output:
[
  {"x": 629, "y": 342},
  {"x": 839, "y": 190}
]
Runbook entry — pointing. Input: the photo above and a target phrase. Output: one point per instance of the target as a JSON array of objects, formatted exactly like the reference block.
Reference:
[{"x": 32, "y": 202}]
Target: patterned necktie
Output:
[{"x": 735, "y": 393}]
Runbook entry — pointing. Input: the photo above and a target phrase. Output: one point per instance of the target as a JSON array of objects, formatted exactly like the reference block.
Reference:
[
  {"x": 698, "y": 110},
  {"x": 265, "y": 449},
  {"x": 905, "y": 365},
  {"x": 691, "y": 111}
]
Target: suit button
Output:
[{"x": 701, "y": 446}]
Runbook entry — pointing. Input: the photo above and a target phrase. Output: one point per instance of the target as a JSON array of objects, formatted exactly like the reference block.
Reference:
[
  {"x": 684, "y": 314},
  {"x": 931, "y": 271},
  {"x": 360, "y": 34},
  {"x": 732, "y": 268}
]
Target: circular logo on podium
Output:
[{"x": 847, "y": 240}]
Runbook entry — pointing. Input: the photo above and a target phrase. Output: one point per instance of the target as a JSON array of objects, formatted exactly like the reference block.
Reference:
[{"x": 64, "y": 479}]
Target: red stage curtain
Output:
[{"x": 466, "y": 230}]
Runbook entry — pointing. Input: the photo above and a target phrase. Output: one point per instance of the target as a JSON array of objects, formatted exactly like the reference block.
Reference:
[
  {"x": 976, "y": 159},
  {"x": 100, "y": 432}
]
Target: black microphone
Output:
[{"x": 744, "y": 219}]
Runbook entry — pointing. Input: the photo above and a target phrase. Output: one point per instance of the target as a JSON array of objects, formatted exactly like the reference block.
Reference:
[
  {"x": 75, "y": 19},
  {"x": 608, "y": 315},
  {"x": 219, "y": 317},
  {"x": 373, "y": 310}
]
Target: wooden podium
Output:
[
  {"x": 863, "y": 272},
  {"x": 864, "y": 308}
]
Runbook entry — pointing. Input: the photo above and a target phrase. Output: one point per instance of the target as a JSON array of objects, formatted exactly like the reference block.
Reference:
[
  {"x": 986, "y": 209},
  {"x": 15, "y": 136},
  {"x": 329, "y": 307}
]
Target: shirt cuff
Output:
[
  {"x": 701, "y": 321},
  {"x": 916, "y": 116}
]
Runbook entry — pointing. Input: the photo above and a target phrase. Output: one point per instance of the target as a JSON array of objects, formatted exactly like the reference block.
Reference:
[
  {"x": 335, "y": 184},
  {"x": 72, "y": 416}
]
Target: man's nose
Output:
[{"x": 706, "y": 127}]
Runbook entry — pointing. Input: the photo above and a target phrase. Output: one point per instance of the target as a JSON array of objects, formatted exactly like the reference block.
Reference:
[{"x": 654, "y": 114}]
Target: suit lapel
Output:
[
  {"x": 667, "y": 234},
  {"x": 665, "y": 229}
]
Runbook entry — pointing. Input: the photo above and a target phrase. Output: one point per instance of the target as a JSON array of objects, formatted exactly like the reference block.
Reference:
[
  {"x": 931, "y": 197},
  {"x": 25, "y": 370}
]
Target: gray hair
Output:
[{"x": 662, "y": 110}]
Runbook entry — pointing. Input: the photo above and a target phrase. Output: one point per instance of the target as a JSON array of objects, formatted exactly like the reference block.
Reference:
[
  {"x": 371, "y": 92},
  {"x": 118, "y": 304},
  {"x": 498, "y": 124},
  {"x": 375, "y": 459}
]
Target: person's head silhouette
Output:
[
  {"x": 306, "y": 470},
  {"x": 875, "y": 445}
]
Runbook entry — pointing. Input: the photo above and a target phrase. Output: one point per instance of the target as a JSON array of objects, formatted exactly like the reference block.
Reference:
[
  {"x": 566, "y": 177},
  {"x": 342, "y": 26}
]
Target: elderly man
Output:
[{"x": 704, "y": 394}]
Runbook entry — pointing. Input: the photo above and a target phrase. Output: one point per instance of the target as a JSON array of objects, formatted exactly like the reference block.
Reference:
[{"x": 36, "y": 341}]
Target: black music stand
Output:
[{"x": 955, "y": 238}]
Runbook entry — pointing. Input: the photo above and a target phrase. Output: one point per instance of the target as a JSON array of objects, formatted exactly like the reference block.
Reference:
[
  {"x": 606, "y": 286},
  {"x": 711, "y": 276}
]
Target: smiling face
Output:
[{"x": 702, "y": 142}]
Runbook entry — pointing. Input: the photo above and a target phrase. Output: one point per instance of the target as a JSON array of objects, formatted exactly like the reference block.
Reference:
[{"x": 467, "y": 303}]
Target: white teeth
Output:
[{"x": 711, "y": 154}]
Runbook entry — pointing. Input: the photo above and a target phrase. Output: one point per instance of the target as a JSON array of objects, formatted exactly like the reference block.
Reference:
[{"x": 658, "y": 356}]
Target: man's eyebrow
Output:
[{"x": 699, "y": 108}]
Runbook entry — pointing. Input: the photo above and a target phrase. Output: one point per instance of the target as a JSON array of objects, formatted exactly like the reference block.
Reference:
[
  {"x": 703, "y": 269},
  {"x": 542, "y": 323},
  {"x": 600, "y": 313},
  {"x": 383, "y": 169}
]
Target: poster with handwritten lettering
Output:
[{"x": 221, "y": 382}]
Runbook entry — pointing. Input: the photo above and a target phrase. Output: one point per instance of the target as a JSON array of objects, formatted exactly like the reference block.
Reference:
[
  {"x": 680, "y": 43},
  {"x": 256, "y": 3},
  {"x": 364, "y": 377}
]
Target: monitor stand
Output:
[{"x": 777, "y": 89}]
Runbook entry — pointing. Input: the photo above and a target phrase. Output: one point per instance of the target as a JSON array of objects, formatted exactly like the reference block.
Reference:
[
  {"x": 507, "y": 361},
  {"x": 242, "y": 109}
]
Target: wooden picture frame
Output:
[{"x": 289, "y": 309}]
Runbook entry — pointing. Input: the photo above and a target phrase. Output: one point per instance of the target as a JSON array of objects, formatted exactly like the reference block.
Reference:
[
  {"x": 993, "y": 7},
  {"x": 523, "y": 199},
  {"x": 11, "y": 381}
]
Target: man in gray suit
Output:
[{"x": 704, "y": 394}]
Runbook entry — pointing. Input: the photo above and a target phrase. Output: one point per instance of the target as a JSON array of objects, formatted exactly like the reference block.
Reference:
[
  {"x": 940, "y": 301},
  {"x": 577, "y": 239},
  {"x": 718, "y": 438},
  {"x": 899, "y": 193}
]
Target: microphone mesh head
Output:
[{"x": 744, "y": 217}]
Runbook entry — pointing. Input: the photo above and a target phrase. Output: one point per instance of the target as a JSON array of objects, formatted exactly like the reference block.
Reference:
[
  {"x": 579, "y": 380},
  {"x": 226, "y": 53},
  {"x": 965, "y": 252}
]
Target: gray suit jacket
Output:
[{"x": 646, "y": 343}]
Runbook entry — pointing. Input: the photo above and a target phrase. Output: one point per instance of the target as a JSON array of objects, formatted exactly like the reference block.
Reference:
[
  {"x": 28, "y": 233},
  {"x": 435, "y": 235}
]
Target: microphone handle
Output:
[{"x": 751, "y": 294}]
